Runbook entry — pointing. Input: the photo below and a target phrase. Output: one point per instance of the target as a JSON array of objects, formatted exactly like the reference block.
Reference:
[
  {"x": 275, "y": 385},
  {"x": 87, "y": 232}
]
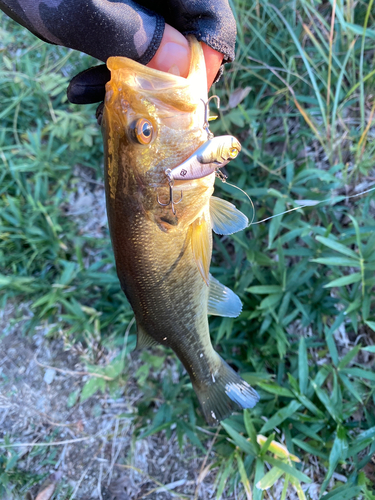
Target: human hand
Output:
[
  {"x": 173, "y": 56},
  {"x": 127, "y": 28}
]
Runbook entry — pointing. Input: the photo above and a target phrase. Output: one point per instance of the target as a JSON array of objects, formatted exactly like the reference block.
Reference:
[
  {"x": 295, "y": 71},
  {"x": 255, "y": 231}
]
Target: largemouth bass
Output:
[{"x": 161, "y": 227}]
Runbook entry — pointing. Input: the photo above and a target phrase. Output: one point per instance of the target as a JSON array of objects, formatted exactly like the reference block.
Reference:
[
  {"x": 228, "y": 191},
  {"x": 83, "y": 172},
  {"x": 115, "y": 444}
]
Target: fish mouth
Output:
[{"x": 185, "y": 94}]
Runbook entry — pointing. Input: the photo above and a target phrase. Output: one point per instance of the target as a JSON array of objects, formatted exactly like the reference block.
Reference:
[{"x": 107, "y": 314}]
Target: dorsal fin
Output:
[
  {"x": 222, "y": 301},
  {"x": 225, "y": 218},
  {"x": 201, "y": 245}
]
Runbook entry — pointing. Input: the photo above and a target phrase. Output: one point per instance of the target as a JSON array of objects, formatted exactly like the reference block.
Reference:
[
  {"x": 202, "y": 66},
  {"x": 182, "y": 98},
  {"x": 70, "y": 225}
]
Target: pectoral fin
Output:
[
  {"x": 225, "y": 218},
  {"x": 144, "y": 339},
  {"x": 222, "y": 301},
  {"x": 201, "y": 245}
]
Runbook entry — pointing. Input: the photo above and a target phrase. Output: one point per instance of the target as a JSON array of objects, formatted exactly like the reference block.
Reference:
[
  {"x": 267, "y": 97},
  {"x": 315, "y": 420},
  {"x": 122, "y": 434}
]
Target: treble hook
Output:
[
  {"x": 171, "y": 200},
  {"x": 207, "y": 117},
  {"x": 219, "y": 174}
]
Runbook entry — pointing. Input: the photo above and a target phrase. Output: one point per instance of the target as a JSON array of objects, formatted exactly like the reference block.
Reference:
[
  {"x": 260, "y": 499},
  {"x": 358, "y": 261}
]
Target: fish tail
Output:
[{"x": 226, "y": 393}]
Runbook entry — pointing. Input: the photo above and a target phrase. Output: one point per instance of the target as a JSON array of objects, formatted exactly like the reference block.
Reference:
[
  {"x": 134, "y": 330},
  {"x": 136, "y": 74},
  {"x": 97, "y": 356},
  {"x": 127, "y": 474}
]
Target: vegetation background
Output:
[{"x": 301, "y": 99}]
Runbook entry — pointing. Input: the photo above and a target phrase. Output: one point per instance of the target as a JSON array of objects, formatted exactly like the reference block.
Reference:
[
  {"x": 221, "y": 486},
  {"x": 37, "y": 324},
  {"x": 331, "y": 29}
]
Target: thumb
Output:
[{"x": 173, "y": 56}]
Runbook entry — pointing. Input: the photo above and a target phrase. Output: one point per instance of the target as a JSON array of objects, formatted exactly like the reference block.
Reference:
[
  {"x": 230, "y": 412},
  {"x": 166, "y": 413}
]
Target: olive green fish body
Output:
[
  {"x": 152, "y": 122},
  {"x": 157, "y": 270}
]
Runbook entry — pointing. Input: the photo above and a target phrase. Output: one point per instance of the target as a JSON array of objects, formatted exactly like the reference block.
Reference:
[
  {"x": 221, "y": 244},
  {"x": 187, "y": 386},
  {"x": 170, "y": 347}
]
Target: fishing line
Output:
[
  {"x": 252, "y": 223},
  {"x": 224, "y": 179}
]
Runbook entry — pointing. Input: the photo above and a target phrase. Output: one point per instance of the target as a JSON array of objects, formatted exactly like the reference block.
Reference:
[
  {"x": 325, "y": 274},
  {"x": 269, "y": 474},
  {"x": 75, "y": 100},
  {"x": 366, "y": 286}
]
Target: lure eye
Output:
[
  {"x": 143, "y": 131},
  {"x": 233, "y": 152}
]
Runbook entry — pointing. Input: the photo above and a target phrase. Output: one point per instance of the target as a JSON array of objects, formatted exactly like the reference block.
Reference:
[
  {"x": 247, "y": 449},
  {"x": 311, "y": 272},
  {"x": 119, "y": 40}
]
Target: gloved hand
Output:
[{"x": 104, "y": 28}]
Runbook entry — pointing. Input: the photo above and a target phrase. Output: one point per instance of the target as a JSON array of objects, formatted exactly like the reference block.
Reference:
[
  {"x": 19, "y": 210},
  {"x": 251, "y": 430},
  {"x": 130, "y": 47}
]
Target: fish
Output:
[{"x": 161, "y": 227}]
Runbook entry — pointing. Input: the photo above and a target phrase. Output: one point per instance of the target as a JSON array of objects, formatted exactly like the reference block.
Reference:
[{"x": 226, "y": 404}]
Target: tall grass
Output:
[{"x": 306, "y": 335}]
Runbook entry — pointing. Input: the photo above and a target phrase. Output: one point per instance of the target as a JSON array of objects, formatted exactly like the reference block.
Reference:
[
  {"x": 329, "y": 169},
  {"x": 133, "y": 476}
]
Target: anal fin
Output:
[
  {"x": 222, "y": 301},
  {"x": 201, "y": 245},
  {"x": 225, "y": 218},
  {"x": 144, "y": 339}
]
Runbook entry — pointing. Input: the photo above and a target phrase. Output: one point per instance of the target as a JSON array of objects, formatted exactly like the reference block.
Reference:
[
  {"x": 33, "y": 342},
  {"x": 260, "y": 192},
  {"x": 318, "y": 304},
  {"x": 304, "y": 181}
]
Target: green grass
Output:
[{"x": 306, "y": 278}]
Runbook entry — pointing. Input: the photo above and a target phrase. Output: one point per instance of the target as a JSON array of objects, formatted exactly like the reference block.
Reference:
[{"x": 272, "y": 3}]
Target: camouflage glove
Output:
[{"x": 104, "y": 28}]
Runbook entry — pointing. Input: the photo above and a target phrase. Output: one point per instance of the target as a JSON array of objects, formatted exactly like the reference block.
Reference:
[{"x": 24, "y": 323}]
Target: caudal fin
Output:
[{"x": 226, "y": 393}]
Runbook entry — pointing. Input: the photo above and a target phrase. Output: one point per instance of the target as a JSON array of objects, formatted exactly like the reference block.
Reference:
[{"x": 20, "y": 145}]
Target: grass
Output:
[{"x": 306, "y": 336}]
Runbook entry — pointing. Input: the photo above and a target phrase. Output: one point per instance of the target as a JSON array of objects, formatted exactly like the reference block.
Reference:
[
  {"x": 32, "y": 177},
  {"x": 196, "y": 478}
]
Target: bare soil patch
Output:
[{"x": 92, "y": 444}]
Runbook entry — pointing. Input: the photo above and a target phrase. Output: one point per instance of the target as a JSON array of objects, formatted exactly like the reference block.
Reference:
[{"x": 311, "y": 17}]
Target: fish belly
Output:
[{"x": 160, "y": 278}]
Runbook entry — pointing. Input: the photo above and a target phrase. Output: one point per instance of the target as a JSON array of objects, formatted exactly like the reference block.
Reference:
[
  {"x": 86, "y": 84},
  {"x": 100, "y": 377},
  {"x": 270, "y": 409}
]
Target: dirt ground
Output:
[{"x": 91, "y": 444}]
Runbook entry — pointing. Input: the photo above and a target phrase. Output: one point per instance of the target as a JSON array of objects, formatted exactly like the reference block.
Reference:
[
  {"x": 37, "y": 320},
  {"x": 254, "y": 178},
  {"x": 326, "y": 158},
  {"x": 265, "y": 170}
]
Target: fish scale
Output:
[{"x": 152, "y": 122}]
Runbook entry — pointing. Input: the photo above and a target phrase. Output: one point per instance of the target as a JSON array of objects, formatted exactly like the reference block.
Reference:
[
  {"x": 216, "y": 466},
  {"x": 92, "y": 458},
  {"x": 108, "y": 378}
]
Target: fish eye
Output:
[
  {"x": 143, "y": 131},
  {"x": 233, "y": 152}
]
